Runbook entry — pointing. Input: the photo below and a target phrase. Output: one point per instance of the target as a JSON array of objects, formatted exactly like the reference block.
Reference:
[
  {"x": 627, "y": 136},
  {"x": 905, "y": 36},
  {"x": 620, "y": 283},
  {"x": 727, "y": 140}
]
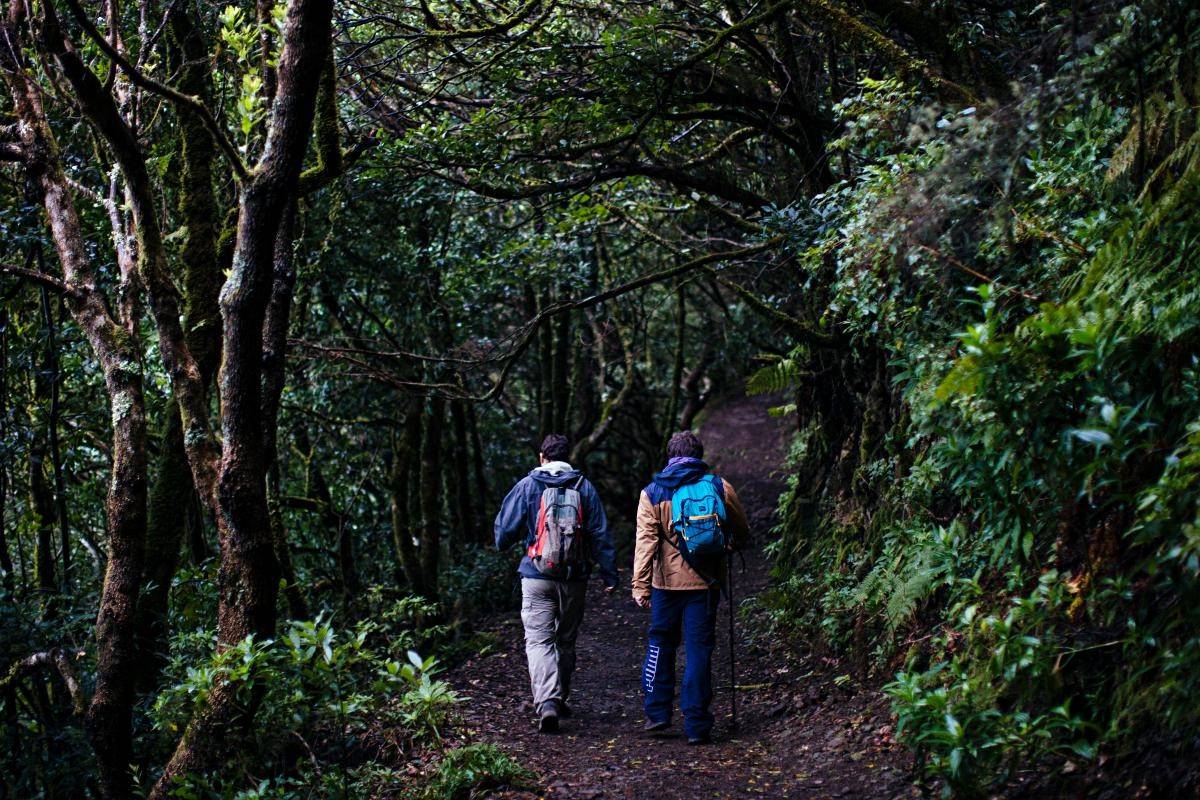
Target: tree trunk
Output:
[
  {"x": 249, "y": 574},
  {"x": 337, "y": 532},
  {"x": 274, "y": 348},
  {"x": 54, "y": 376},
  {"x": 431, "y": 498},
  {"x": 42, "y": 504},
  {"x": 669, "y": 427},
  {"x": 292, "y": 593},
  {"x": 608, "y": 412},
  {"x": 6, "y": 564},
  {"x": 561, "y": 373},
  {"x": 173, "y": 515},
  {"x": 406, "y": 449},
  {"x": 695, "y": 398},
  {"x": 545, "y": 371},
  {"x": 460, "y": 478},
  {"x": 41, "y": 496},
  {"x": 169, "y": 516},
  {"x": 479, "y": 465},
  {"x": 109, "y": 715}
]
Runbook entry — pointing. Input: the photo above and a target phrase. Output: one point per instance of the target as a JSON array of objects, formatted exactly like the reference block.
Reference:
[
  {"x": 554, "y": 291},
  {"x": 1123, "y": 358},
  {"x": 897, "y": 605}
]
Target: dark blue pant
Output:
[{"x": 692, "y": 613}]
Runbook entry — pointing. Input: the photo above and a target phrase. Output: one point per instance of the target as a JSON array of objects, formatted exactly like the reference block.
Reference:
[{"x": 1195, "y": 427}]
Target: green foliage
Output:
[
  {"x": 1024, "y": 535},
  {"x": 470, "y": 772},
  {"x": 309, "y": 681},
  {"x": 780, "y": 374},
  {"x": 979, "y": 714},
  {"x": 426, "y": 703}
]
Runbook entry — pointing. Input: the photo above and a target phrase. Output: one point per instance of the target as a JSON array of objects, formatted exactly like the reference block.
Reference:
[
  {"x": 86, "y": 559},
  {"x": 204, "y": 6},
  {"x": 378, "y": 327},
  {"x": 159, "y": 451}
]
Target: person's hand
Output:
[{"x": 642, "y": 602}]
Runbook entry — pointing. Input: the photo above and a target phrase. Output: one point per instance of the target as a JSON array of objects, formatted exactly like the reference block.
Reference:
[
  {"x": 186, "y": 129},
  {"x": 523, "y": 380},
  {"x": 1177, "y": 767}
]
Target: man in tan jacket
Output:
[{"x": 681, "y": 592}]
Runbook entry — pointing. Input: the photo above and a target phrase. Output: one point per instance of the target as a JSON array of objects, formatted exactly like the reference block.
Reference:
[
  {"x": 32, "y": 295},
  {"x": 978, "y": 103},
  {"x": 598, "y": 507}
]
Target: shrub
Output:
[{"x": 473, "y": 771}]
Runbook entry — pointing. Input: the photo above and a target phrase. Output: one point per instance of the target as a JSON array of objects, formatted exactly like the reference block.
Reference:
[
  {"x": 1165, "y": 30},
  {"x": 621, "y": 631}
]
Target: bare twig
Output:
[{"x": 957, "y": 264}]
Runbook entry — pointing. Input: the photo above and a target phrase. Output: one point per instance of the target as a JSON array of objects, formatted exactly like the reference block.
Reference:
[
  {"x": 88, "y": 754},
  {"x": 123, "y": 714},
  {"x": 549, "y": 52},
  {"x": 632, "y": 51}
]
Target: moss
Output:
[{"x": 123, "y": 403}]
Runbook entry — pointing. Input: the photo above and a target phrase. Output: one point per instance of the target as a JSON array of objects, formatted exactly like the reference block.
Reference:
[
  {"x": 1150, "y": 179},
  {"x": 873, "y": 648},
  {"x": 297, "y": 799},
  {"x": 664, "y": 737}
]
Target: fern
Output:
[
  {"x": 776, "y": 377},
  {"x": 916, "y": 563},
  {"x": 1156, "y": 288}
]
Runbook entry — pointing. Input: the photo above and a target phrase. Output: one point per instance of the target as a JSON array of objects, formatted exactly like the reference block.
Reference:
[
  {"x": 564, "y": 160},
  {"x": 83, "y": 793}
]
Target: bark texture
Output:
[
  {"x": 109, "y": 713},
  {"x": 249, "y": 574},
  {"x": 431, "y": 498}
]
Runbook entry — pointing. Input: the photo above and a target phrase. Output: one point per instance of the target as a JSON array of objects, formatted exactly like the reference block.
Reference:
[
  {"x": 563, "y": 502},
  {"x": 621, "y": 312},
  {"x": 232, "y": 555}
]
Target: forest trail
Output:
[{"x": 799, "y": 734}]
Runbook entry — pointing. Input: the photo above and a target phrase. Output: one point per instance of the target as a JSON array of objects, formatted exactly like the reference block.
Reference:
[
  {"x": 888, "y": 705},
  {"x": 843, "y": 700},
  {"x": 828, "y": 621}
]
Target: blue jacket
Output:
[{"x": 517, "y": 520}]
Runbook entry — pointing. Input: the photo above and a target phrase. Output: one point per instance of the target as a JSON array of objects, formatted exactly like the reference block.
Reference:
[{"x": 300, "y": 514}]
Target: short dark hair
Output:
[
  {"x": 685, "y": 443},
  {"x": 555, "y": 447}
]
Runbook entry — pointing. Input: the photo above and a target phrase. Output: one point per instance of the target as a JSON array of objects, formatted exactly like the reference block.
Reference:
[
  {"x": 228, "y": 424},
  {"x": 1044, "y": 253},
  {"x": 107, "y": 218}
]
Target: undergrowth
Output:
[{"x": 1010, "y": 532}]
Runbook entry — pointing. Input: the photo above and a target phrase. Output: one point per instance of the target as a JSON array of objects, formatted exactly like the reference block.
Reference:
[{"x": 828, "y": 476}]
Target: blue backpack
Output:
[{"x": 697, "y": 517}]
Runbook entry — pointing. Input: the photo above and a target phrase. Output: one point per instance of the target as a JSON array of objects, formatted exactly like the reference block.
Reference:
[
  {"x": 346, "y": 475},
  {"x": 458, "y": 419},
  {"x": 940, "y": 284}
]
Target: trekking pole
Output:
[{"x": 732, "y": 643}]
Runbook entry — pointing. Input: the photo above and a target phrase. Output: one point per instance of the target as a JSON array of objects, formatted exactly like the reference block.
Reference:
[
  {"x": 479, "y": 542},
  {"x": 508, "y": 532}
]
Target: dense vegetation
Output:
[{"x": 290, "y": 289}]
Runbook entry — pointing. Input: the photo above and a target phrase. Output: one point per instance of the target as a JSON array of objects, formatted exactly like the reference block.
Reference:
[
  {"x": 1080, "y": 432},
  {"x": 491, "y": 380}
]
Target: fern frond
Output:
[{"x": 776, "y": 377}]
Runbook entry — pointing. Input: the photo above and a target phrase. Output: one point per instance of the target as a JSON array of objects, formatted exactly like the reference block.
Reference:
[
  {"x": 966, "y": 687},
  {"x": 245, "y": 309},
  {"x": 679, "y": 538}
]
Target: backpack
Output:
[
  {"x": 559, "y": 537},
  {"x": 697, "y": 516}
]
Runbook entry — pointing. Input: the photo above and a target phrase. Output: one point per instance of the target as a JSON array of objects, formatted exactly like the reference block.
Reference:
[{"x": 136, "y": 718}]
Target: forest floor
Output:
[{"x": 802, "y": 731}]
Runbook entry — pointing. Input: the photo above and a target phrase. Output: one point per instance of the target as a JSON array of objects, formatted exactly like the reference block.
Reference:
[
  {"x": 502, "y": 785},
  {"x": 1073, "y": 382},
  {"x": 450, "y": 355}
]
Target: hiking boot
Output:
[
  {"x": 548, "y": 719},
  {"x": 654, "y": 727},
  {"x": 699, "y": 740},
  {"x": 564, "y": 710}
]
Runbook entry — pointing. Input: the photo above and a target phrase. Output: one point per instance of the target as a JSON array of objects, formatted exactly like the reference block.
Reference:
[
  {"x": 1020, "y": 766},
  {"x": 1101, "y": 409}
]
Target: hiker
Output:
[
  {"x": 556, "y": 514},
  {"x": 679, "y": 579}
]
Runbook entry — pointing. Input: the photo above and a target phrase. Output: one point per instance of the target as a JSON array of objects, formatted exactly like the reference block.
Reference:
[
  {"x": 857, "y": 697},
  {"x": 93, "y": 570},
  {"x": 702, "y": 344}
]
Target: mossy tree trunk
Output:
[
  {"x": 431, "y": 498},
  {"x": 249, "y": 573},
  {"x": 174, "y": 514},
  {"x": 6, "y": 563},
  {"x": 405, "y": 471},
  {"x": 113, "y": 341}
]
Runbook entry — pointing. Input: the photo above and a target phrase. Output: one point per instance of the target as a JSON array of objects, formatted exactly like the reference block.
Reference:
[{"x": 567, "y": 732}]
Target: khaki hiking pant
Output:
[{"x": 551, "y": 612}]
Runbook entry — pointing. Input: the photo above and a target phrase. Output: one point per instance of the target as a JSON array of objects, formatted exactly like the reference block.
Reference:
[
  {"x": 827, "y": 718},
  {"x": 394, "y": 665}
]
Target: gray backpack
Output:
[{"x": 559, "y": 544}]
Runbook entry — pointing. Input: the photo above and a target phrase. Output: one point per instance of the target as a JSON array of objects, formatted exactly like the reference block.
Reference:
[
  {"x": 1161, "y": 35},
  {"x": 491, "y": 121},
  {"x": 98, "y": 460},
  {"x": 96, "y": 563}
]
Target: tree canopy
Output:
[{"x": 293, "y": 290}]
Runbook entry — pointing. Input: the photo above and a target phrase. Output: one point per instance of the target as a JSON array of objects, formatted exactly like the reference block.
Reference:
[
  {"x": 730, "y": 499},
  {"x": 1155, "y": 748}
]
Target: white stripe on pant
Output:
[{"x": 551, "y": 612}]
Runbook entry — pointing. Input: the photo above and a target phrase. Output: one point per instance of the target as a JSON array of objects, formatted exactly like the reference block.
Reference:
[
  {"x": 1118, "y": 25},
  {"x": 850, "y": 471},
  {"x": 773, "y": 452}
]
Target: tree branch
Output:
[
  {"x": 49, "y": 281},
  {"x": 454, "y": 391},
  {"x": 139, "y": 78},
  {"x": 55, "y": 657}
]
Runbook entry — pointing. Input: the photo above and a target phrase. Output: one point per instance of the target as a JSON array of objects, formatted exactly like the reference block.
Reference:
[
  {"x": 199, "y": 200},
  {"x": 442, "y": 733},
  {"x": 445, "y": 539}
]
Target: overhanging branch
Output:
[
  {"x": 42, "y": 278},
  {"x": 60, "y": 660},
  {"x": 362, "y": 360},
  {"x": 138, "y": 78}
]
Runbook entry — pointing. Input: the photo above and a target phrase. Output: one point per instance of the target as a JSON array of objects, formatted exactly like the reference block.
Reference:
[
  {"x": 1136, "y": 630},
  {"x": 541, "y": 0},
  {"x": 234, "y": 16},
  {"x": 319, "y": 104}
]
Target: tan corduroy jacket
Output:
[{"x": 657, "y": 563}]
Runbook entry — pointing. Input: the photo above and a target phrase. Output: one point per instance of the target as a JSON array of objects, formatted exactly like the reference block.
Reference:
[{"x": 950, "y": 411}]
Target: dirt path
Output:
[{"x": 799, "y": 735}]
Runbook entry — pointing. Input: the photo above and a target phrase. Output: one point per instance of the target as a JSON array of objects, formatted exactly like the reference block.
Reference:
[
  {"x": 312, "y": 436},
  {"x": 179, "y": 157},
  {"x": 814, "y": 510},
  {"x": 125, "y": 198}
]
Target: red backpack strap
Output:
[{"x": 539, "y": 528}]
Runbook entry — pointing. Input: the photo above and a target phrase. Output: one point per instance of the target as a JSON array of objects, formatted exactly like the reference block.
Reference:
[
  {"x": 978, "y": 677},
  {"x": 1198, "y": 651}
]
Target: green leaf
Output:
[{"x": 1091, "y": 436}]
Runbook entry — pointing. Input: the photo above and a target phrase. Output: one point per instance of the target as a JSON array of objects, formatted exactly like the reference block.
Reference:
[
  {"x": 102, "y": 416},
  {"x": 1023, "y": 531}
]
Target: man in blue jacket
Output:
[{"x": 552, "y": 607}]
